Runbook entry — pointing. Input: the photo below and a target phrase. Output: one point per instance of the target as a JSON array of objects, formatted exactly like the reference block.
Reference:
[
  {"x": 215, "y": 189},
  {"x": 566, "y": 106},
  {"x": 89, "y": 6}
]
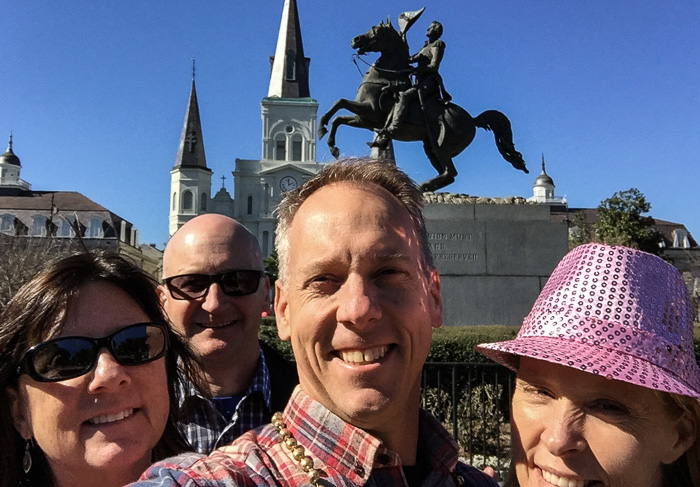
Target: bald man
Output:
[{"x": 214, "y": 292}]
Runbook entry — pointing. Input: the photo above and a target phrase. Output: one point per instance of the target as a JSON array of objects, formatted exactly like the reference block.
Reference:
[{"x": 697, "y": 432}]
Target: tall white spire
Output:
[{"x": 290, "y": 69}]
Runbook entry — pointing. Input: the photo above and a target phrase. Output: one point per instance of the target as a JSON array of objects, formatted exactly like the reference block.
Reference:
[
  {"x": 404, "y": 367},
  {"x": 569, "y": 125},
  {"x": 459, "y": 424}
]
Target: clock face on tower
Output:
[{"x": 288, "y": 183}]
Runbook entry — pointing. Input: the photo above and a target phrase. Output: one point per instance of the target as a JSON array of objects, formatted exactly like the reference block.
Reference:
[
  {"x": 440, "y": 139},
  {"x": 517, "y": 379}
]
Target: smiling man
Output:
[
  {"x": 358, "y": 296},
  {"x": 214, "y": 293}
]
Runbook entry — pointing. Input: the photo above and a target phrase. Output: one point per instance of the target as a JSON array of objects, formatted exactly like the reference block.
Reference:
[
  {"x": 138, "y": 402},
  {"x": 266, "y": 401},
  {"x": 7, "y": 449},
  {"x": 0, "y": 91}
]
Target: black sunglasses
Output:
[
  {"x": 232, "y": 283},
  {"x": 68, "y": 357}
]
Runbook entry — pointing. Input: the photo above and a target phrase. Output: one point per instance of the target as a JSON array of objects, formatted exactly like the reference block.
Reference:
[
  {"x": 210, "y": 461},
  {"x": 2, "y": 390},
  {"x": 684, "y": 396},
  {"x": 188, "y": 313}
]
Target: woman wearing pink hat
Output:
[{"x": 607, "y": 384}]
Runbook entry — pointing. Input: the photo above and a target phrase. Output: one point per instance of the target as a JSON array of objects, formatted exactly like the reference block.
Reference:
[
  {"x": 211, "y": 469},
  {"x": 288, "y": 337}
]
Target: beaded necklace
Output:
[{"x": 296, "y": 450}]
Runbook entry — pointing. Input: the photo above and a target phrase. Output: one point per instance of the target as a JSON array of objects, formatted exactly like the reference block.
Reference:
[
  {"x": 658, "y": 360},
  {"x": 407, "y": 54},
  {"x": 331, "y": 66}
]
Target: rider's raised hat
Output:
[{"x": 615, "y": 312}]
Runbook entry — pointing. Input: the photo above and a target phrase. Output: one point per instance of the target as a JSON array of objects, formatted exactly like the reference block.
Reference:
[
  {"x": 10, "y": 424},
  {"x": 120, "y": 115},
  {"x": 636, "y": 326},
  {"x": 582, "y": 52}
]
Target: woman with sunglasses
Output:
[
  {"x": 607, "y": 383},
  {"x": 89, "y": 376}
]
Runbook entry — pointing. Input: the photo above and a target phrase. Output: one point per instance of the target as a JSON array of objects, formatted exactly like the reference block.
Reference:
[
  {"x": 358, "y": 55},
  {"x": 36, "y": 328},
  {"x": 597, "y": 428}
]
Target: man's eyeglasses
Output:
[
  {"x": 68, "y": 357},
  {"x": 232, "y": 283}
]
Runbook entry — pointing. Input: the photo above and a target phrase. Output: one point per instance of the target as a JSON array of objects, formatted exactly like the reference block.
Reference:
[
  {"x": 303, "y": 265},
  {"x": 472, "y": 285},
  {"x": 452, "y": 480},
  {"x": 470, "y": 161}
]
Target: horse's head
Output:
[{"x": 377, "y": 39}]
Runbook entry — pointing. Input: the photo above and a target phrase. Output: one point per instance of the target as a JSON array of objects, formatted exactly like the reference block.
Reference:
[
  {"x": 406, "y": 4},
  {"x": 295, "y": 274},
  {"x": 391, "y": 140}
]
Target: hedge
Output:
[{"x": 450, "y": 343}]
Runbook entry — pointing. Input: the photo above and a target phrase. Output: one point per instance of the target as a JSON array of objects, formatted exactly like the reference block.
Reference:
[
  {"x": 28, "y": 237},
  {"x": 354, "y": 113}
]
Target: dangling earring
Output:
[{"x": 27, "y": 459}]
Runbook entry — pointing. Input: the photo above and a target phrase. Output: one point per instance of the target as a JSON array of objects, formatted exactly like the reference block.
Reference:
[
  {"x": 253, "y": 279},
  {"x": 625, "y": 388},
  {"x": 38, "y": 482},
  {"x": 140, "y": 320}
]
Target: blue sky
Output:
[{"x": 95, "y": 93}]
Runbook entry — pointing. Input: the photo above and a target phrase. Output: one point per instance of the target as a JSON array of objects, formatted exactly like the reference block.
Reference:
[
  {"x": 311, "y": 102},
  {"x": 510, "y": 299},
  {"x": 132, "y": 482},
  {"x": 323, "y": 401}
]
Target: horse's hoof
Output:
[
  {"x": 335, "y": 152},
  {"x": 322, "y": 132}
]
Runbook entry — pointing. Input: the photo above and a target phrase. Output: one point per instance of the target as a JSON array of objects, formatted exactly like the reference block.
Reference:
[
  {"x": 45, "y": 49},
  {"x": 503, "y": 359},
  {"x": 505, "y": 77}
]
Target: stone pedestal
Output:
[{"x": 494, "y": 255}]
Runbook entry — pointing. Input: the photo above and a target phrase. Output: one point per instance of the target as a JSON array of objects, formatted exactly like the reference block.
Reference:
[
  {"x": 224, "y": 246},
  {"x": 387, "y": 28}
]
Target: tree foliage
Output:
[
  {"x": 272, "y": 267},
  {"x": 621, "y": 222},
  {"x": 582, "y": 231}
]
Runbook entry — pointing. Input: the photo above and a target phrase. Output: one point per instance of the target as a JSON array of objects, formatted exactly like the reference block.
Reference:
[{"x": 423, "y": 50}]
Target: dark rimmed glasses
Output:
[
  {"x": 232, "y": 283},
  {"x": 68, "y": 357}
]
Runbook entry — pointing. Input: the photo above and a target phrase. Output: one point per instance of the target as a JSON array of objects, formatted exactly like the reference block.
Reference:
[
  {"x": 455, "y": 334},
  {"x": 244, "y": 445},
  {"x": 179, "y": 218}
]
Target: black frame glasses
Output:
[
  {"x": 232, "y": 283},
  {"x": 65, "y": 358}
]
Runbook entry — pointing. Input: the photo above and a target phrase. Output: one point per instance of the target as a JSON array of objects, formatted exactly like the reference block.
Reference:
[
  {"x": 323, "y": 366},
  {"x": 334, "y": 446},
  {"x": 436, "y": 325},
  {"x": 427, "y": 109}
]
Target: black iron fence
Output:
[{"x": 472, "y": 400}]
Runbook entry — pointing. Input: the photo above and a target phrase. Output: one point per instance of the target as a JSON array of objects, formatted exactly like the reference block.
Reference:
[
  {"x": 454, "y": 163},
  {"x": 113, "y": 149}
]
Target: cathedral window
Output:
[
  {"x": 296, "y": 148},
  {"x": 187, "y": 201},
  {"x": 280, "y": 150},
  {"x": 203, "y": 205},
  {"x": 291, "y": 66},
  {"x": 250, "y": 205},
  {"x": 266, "y": 243},
  {"x": 174, "y": 201}
]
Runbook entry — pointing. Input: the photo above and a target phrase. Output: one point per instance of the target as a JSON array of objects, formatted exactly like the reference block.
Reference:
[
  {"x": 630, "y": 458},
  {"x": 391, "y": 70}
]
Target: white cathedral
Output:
[{"x": 288, "y": 147}]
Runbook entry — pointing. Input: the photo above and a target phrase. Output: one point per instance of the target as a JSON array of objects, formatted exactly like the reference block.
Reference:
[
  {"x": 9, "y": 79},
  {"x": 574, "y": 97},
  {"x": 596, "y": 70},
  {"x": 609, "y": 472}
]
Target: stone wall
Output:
[{"x": 494, "y": 255}]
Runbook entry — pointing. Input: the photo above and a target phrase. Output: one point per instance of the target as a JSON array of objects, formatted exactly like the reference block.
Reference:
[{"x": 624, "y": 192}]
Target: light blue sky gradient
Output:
[{"x": 95, "y": 93}]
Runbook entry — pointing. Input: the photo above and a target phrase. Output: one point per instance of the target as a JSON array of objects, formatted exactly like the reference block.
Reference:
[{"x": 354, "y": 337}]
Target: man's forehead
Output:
[{"x": 209, "y": 253}]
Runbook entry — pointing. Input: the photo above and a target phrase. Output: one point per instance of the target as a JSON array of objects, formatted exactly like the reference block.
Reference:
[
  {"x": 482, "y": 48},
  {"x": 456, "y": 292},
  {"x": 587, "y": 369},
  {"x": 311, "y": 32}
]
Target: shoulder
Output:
[
  {"x": 473, "y": 476},
  {"x": 440, "y": 44},
  {"x": 258, "y": 454},
  {"x": 189, "y": 470}
]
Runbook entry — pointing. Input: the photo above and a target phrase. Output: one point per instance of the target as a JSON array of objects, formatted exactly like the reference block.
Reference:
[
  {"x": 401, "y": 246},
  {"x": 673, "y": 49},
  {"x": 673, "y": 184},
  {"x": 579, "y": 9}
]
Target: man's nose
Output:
[
  {"x": 359, "y": 302},
  {"x": 214, "y": 298}
]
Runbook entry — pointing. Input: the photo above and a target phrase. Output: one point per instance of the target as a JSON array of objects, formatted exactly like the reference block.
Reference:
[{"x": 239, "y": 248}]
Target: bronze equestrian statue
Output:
[{"x": 391, "y": 105}]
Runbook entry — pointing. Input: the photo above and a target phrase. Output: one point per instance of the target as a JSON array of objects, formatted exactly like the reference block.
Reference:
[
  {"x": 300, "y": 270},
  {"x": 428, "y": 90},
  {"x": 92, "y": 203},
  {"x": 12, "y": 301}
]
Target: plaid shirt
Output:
[
  {"x": 343, "y": 455},
  {"x": 206, "y": 428}
]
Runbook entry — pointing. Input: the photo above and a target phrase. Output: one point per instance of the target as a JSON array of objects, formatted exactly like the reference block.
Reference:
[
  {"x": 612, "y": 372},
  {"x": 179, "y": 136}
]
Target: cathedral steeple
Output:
[
  {"x": 190, "y": 179},
  {"x": 290, "y": 69},
  {"x": 191, "y": 150}
]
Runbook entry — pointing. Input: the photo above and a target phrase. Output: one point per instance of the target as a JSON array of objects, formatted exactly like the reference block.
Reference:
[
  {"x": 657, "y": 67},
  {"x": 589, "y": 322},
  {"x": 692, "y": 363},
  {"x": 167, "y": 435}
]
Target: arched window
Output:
[
  {"x": 38, "y": 226},
  {"x": 265, "y": 243},
  {"x": 280, "y": 148},
  {"x": 203, "y": 205},
  {"x": 250, "y": 205},
  {"x": 174, "y": 201},
  {"x": 95, "y": 229},
  {"x": 296, "y": 147},
  {"x": 7, "y": 224},
  {"x": 187, "y": 201}
]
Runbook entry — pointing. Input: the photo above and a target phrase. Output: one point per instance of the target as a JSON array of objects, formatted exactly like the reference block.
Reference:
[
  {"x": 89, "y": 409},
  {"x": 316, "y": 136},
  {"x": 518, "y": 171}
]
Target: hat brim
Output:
[{"x": 594, "y": 359}]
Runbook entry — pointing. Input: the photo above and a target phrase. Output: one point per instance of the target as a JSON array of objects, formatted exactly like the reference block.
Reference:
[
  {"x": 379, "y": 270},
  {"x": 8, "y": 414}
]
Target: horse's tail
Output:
[{"x": 499, "y": 124}]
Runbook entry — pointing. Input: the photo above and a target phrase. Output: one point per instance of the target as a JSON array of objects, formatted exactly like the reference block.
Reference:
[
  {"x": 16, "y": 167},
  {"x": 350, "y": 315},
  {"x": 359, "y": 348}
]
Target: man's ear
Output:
[
  {"x": 162, "y": 292},
  {"x": 435, "y": 296},
  {"x": 20, "y": 412},
  {"x": 281, "y": 310}
]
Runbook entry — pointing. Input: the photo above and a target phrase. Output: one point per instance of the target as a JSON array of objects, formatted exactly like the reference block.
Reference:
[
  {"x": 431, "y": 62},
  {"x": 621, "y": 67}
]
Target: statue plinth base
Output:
[{"x": 494, "y": 255}]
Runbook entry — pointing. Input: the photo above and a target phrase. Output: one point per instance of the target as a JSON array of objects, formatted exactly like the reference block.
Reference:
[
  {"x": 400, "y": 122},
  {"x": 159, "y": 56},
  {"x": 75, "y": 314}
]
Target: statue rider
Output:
[{"x": 428, "y": 80}]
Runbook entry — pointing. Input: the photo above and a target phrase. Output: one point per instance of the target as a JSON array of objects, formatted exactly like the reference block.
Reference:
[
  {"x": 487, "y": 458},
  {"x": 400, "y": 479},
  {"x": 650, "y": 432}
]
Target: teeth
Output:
[
  {"x": 110, "y": 418},
  {"x": 363, "y": 356},
  {"x": 562, "y": 481}
]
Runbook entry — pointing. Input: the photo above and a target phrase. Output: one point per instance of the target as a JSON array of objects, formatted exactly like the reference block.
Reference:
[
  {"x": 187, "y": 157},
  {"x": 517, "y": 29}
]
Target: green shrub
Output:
[
  {"x": 456, "y": 343},
  {"x": 450, "y": 343},
  {"x": 268, "y": 334}
]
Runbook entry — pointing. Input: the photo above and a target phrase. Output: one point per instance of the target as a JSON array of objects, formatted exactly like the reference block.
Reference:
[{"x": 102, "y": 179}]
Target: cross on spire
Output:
[
  {"x": 223, "y": 179},
  {"x": 191, "y": 140}
]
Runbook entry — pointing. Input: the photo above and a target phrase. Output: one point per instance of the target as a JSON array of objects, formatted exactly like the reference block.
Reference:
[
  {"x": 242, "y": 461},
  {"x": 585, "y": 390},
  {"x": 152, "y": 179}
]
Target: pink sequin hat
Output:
[{"x": 615, "y": 312}]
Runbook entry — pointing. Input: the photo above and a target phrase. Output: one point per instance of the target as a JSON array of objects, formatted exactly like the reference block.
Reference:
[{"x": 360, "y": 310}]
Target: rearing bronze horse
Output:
[{"x": 445, "y": 129}]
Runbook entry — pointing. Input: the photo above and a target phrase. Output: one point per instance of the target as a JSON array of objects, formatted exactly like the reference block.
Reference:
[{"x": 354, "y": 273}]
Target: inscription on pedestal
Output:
[{"x": 457, "y": 247}]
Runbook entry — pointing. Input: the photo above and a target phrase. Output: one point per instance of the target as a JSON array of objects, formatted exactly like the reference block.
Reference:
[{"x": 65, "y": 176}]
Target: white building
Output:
[
  {"x": 288, "y": 147},
  {"x": 543, "y": 191}
]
